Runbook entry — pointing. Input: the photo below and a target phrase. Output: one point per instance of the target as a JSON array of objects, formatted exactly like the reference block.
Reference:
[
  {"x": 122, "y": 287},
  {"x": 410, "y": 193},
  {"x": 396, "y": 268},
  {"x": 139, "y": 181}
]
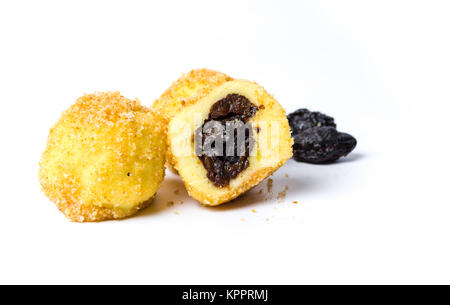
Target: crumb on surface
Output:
[
  {"x": 253, "y": 211},
  {"x": 170, "y": 203},
  {"x": 286, "y": 175},
  {"x": 242, "y": 219},
  {"x": 269, "y": 185},
  {"x": 176, "y": 213},
  {"x": 281, "y": 195},
  {"x": 295, "y": 202}
]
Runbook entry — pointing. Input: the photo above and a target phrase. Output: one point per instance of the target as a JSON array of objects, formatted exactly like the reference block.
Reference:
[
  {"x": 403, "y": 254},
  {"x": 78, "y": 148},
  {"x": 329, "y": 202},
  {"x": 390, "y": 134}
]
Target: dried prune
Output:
[
  {"x": 322, "y": 145},
  {"x": 302, "y": 119},
  {"x": 316, "y": 139}
]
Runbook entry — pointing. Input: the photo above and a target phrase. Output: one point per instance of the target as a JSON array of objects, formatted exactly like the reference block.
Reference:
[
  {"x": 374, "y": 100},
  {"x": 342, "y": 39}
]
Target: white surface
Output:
[{"x": 381, "y": 68}]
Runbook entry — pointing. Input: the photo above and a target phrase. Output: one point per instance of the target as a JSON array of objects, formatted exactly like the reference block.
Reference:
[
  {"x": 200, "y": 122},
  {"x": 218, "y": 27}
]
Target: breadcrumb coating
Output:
[
  {"x": 187, "y": 90},
  {"x": 104, "y": 158}
]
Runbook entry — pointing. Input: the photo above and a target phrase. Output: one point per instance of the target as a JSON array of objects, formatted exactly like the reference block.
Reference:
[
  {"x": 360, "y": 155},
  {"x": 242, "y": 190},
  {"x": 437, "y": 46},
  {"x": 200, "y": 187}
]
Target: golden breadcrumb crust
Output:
[
  {"x": 187, "y": 90},
  {"x": 272, "y": 137},
  {"x": 104, "y": 158}
]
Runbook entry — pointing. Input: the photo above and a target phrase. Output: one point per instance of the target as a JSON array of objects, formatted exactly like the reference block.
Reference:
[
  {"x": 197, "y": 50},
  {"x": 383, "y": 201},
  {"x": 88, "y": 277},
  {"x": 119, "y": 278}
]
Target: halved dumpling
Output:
[{"x": 260, "y": 135}]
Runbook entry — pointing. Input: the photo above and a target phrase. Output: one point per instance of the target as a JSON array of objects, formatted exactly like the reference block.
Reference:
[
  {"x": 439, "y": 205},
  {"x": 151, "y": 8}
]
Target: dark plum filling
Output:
[{"x": 224, "y": 141}]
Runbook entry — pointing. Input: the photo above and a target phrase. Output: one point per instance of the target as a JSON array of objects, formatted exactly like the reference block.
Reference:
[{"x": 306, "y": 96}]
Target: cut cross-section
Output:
[{"x": 215, "y": 171}]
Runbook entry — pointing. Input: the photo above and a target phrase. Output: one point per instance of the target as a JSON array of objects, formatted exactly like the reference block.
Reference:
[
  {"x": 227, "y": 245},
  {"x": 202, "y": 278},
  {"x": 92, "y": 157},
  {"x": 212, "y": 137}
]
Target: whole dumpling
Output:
[{"x": 104, "y": 158}]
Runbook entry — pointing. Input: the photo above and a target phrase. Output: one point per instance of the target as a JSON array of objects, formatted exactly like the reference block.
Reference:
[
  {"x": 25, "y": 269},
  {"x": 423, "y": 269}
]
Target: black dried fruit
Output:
[
  {"x": 316, "y": 139},
  {"x": 302, "y": 119},
  {"x": 322, "y": 145}
]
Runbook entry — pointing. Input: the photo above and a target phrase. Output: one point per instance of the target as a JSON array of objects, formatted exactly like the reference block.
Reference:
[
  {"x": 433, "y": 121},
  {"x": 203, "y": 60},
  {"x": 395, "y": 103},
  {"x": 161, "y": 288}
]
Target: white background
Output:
[{"x": 381, "y": 68}]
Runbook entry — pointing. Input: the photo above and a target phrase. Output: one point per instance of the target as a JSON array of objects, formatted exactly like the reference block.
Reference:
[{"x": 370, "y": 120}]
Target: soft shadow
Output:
[
  {"x": 259, "y": 195},
  {"x": 310, "y": 180},
  {"x": 351, "y": 158},
  {"x": 165, "y": 194}
]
